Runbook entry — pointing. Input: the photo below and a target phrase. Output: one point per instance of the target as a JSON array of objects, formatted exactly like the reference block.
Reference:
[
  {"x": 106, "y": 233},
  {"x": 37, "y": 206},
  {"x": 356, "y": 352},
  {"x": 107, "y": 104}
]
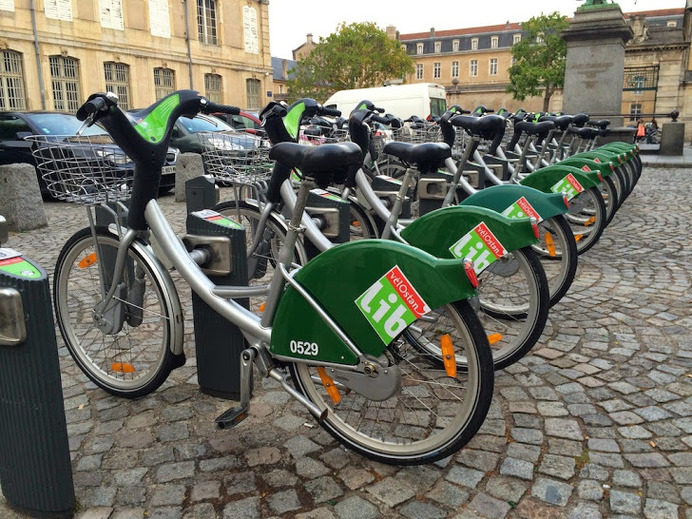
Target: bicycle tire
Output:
[
  {"x": 587, "y": 218},
  {"x": 512, "y": 304},
  {"x": 420, "y": 423},
  {"x": 610, "y": 197},
  {"x": 136, "y": 360},
  {"x": 557, "y": 252},
  {"x": 361, "y": 226}
]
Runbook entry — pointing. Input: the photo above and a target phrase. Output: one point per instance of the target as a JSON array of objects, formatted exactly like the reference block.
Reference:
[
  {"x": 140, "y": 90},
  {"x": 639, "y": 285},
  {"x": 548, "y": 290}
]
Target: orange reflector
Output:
[
  {"x": 578, "y": 237},
  {"x": 261, "y": 307},
  {"x": 494, "y": 338},
  {"x": 550, "y": 244},
  {"x": 123, "y": 367},
  {"x": 448, "y": 357},
  {"x": 87, "y": 261},
  {"x": 355, "y": 223},
  {"x": 328, "y": 384},
  {"x": 590, "y": 221}
]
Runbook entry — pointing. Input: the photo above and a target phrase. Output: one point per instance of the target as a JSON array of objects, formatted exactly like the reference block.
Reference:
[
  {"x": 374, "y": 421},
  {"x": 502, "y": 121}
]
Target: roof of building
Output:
[
  {"x": 517, "y": 26},
  {"x": 278, "y": 67}
]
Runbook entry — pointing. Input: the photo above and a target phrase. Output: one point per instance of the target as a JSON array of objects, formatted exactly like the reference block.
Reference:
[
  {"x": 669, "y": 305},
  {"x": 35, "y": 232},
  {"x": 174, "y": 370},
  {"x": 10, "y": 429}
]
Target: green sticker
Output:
[
  {"x": 568, "y": 185},
  {"x": 218, "y": 219},
  {"x": 327, "y": 195},
  {"x": 480, "y": 246},
  {"x": 391, "y": 304},
  {"x": 19, "y": 267},
  {"x": 153, "y": 126}
]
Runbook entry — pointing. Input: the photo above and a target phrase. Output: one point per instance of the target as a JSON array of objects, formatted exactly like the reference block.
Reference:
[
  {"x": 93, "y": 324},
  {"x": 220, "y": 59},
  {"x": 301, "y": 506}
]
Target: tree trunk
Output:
[{"x": 546, "y": 98}]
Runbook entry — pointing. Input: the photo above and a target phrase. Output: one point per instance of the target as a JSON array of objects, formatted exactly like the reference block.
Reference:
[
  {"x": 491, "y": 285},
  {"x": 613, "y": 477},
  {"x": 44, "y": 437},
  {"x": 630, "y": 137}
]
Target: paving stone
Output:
[
  {"x": 246, "y": 508},
  {"x": 391, "y": 491},
  {"x": 585, "y": 511},
  {"x": 205, "y": 490},
  {"x": 627, "y": 478},
  {"x": 489, "y": 507},
  {"x": 590, "y": 489},
  {"x": 485, "y": 461},
  {"x": 173, "y": 471},
  {"x": 624, "y": 502},
  {"x": 531, "y": 436},
  {"x": 604, "y": 445},
  {"x": 416, "y": 509},
  {"x": 284, "y": 501},
  {"x": 519, "y": 468},
  {"x": 310, "y": 468},
  {"x": 355, "y": 507},
  {"x": 559, "y": 466},
  {"x": 465, "y": 476},
  {"x": 563, "y": 428},
  {"x": 323, "y": 489},
  {"x": 653, "y": 459},
  {"x": 524, "y": 452},
  {"x": 448, "y": 494},
  {"x": 551, "y": 491}
]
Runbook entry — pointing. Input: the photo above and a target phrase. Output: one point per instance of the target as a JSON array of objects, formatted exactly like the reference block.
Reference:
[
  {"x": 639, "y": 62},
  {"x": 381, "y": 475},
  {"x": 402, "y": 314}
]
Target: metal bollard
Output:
[{"x": 35, "y": 467}]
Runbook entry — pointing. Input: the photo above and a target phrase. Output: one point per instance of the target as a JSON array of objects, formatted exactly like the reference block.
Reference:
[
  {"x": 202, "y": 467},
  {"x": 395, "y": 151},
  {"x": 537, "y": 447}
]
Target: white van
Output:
[{"x": 421, "y": 99}]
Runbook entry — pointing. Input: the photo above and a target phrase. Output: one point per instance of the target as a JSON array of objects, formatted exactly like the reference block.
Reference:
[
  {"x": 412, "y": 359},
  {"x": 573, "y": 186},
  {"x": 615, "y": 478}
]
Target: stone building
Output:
[
  {"x": 472, "y": 64},
  {"x": 54, "y": 53}
]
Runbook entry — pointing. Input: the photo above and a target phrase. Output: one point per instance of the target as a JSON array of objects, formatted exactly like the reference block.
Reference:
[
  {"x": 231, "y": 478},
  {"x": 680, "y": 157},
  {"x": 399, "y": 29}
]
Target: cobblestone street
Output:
[{"x": 595, "y": 422}]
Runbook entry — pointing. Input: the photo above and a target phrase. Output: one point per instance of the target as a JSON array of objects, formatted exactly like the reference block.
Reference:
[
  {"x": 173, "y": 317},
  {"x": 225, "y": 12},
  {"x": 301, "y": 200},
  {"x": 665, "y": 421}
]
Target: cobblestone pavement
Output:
[{"x": 596, "y": 422}]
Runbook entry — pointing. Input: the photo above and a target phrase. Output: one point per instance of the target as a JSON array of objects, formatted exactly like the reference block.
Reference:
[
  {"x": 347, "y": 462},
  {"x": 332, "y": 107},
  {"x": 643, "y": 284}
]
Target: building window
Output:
[
  {"x": 64, "y": 77},
  {"x": 455, "y": 46},
  {"x": 118, "y": 82},
  {"x": 164, "y": 82},
  {"x": 539, "y": 39},
  {"x": 473, "y": 69},
  {"x": 58, "y": 9},
  {"x": 419, "y": 48},
  {"x": 671, "y": 23},
  {"x": 159, "y": 18},
  {"x": 438, "y": 46},
  {"x": 11, "y": 81},
  {"x": 252, "y": 88},
  {"x": 7, "y": 5},
  {"x": 493, "y": 66},
  {"x": 514, "y": 61},
  {"x": 111, "y": 12},
  {"x": 250, "y": 30},
  {"x": 516, "y": 39},
  {"x": 437, "y": 70},
  {"x": 403, "y": 47},
  {"x": 635, "y": 111},
  {"x": 455, "y": 69},
  {"x": 213, "y": 88},
  {"x": 206, "y": 21},
  {"x": 474, "y": 43},
  {"x": 494, "y": 41},
  {"x": 419, "y": 71}
]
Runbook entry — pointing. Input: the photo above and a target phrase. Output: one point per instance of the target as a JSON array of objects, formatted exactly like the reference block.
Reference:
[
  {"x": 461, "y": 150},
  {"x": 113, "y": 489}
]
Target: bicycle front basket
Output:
[{"x": 86, "y": 170}]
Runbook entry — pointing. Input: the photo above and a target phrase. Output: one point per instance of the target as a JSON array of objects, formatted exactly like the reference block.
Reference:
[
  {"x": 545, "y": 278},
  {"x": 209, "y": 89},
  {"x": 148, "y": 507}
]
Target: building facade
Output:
[
  {"x": 54, "y": 53},
  {"x": 473, "y": 65}
]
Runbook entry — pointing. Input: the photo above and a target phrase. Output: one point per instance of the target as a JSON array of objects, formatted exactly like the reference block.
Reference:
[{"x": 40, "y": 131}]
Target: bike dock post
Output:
[
  {"x": 331, "y": 213},
  {"x": 35, "y": 466},
  {"x": 218, "y": 343}
]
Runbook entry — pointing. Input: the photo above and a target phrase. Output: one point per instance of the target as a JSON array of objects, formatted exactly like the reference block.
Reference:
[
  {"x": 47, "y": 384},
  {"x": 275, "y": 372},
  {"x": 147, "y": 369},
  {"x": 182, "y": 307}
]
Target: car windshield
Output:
[
  {"x": 61, "y": 124},
  {"x": 204, "y": 124}
]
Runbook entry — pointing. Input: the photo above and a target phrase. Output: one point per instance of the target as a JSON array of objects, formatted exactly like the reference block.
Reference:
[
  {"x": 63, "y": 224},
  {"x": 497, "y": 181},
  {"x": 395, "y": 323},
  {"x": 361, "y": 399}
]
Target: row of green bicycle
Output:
[{"x": 386, "y": 342}]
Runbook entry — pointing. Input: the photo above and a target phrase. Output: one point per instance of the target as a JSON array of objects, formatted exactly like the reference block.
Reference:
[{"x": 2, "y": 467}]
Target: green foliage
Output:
[
  {"x": 359, "y": 55},
  {"x": 539, "y": 58}
]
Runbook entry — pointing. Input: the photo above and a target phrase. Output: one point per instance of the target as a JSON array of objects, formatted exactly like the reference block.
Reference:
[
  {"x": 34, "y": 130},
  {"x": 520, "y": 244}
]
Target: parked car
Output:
[
  {"x": 14, "y": 148},
  {"x": 186, "y": 129},
  {"x": 244, "y": 122}
]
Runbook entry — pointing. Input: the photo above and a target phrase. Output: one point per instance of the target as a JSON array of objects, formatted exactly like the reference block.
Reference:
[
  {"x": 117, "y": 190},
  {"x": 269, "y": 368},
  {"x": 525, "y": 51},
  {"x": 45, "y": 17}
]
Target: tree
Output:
[
  {"x": 539, "y": 58},
  {"x": 359, "y": 55}
]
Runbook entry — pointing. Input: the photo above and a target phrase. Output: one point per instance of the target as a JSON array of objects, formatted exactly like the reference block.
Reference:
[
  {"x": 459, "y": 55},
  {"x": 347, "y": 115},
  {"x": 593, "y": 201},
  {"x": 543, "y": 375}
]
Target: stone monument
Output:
[{"x": 594, "y": 70}]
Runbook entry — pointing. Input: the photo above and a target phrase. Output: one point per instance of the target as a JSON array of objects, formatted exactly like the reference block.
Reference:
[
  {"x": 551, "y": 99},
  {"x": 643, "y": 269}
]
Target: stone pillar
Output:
[
  {"x": 189, "y": 166},
  {"x": 594, "y": 71},
  {"x": 20, "y": 198},
  {"x": 672, "y": 138}
]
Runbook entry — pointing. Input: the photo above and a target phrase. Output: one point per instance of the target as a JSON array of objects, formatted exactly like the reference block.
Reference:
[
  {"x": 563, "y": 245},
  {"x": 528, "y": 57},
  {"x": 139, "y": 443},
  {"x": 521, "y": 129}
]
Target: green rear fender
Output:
[
  {"x": 372, "y": 289},
  {"x": 438, "y": 231},
  {"x": 605, "y": 167},
  {"x": 499, "y": 198},
  {"x": 559, "y": 178}
]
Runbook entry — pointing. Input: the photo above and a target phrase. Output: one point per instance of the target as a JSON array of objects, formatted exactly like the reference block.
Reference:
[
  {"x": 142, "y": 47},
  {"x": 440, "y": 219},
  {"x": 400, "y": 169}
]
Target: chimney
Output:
[
  {"x": 432, "y": 32},
  {"x": 309, "y": 39},
  {"x": 284, "y": 69},
  {"x": 392, "y": 33}
]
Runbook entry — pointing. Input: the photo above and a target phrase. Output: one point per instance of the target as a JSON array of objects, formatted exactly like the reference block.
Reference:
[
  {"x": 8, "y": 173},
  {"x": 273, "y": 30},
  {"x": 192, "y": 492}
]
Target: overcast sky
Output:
[{"x": 291, "y": 20}]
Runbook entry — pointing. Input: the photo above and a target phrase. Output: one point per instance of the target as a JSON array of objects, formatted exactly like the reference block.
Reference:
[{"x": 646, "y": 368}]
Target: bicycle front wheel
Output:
[
  {"x": 557, "y": 252},
  {"x": 432, "y": 415},
  {"x": 135, "y": 357},
  {"x": 587, "y": 218}
]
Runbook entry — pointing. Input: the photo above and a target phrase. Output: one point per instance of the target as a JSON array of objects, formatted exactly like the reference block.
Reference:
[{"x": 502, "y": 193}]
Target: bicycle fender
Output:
[
  {"x": 438, "y": 232},
  {"x": 499, "y": 198},
  {"x": 605, "y": 168},
  {"x": 561, "y": 179},
  {"x": 372, "y": 290},
  {"x": 603, "y": 155}
]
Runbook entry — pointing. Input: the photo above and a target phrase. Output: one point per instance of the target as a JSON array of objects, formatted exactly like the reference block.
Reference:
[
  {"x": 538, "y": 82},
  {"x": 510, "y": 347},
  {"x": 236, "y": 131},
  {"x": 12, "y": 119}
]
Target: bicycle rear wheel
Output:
[
  {"x": 557, "y": 252},
  {"x": 432, "y": 415},
  {"x": 587, "y": 218},
  {"x": 136, "y": 357}
]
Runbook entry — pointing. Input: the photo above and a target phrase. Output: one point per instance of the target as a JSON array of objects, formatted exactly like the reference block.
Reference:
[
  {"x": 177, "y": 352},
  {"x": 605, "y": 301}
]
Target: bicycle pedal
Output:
[{"x": 232, "y": 417}]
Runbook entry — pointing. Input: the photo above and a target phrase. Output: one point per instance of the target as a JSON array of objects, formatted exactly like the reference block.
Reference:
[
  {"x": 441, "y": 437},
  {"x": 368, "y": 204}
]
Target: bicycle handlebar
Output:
[{"x": 209, "y": 107}]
